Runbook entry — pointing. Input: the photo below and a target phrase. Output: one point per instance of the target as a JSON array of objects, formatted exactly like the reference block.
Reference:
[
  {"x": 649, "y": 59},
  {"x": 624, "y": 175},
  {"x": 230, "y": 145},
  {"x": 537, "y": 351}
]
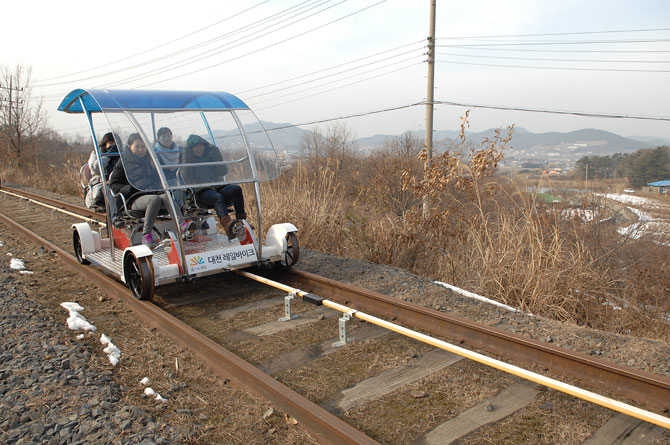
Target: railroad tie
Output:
[
  {"x": 388, "y": 381},
  {"x": 623, "y": 429},
  {"x": 510, "y": 400}
]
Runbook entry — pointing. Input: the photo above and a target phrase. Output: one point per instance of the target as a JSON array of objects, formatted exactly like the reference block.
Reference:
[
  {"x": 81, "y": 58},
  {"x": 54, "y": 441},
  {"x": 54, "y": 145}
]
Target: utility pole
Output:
[
  {"x": 429, "y": 101},
  {"x": 11, "y": 120}
]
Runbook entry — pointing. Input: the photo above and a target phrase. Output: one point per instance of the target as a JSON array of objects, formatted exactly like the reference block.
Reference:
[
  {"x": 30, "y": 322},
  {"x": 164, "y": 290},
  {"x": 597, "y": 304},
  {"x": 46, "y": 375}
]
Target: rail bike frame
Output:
[{"x": 251, "y": 160}]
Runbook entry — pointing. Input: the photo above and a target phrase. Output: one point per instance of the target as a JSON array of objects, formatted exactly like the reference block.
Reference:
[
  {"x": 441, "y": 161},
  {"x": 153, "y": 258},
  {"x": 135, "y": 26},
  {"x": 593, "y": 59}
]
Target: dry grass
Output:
[{"x": 485, "y": 233}]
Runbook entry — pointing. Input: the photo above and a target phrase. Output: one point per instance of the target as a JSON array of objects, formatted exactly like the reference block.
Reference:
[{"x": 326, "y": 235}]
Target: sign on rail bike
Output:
[{"x": 179, "y": 158}]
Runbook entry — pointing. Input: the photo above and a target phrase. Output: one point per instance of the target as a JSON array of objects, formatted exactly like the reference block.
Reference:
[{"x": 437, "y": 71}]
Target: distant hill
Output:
[{"x": 588, "y": 140}]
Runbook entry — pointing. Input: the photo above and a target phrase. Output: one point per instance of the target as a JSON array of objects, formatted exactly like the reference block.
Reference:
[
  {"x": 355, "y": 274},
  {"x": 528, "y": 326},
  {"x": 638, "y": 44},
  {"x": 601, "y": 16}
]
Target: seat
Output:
[
  {"x": 85, "y": 177},
  {"x": 191, "y": 207}
]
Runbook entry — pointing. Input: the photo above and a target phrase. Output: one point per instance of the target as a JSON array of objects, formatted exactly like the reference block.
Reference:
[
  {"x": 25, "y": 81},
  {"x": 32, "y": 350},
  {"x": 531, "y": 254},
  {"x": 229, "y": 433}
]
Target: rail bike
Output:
[{"x": 245, "y": 156}]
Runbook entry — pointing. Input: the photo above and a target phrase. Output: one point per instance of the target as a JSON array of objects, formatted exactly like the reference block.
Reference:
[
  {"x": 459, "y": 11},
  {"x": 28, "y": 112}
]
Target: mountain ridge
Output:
[{"x": 585, "y": 140}]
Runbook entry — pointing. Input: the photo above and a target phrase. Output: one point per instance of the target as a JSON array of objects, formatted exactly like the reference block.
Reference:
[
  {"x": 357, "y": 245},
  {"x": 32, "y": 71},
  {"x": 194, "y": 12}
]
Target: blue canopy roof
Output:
[
  {"x": 665, "y": 183},
  {"x": 152, "y": 100}
]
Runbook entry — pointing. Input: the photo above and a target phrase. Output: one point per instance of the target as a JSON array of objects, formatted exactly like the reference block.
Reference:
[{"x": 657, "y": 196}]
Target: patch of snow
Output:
[
  {"x": 150, "y": 392},
  {"x": 76, "y": 321},
  {"x": 26, "y": 272},
  {"x": 477, "y": 297},
  {"x": 111, "y": 350},
  {"x": 586, "y": 215},
  {"x": 16, "y": 264},
  {"x": 80, "y": 337}
]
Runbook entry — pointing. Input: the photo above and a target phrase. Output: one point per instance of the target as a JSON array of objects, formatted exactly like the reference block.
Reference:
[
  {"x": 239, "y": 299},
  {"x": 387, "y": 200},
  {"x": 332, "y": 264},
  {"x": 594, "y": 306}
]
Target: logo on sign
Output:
[{"x": 196, "y": 260}]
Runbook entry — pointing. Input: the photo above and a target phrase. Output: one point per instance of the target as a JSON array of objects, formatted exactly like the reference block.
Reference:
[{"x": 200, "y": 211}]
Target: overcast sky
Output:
[{"x": 304, "y": 61}]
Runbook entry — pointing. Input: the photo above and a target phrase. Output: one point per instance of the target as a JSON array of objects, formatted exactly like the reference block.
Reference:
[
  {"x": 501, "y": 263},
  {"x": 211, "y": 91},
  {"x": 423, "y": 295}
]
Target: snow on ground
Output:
[
  {"x": 646, "y": 224},
  {"x": 586, "y": 215},
  {"x": 150, "y": 392},
  {"x": 76, "y": 321},
  {"x": 17, "y": 264},
  {"x": 632, "y": 200},
  {"x": 111, "y": 350},
  {"x": 477, "y": 297}
]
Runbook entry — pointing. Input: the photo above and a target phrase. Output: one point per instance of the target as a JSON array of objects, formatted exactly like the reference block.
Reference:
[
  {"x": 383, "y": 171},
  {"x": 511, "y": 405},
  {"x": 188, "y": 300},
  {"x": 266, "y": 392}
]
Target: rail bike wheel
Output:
[
  {"x": 76, "y": 245},
  {"x": 290, "y": 257},
  {"x": 139, "y": 276}
]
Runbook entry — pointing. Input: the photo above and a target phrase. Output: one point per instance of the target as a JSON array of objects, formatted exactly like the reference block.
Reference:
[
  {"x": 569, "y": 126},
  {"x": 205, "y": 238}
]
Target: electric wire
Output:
[
  {"x": 556, "y": 33},
  {"x": 553, "y": 60},
  {"x": 574, "y": 113},
  {"x": 564, "y": 42},
  {"x": 265, "y": 47},
  {"x": 342, "y": 86},
  {"x": 332, "y": 67},
  {"x": 556, "y": 68},
  {"x": 335, "y": 74},
  {"x": 226, "y": 46},
  {"x": 173, "y": 54},
  {"x": 561, "y": 50},
  {"x": 158, "y": 46}
]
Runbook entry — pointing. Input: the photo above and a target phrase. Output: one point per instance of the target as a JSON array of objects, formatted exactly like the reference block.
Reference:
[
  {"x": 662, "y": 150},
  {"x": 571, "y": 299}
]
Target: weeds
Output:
[{"x": 496, "y": 236}]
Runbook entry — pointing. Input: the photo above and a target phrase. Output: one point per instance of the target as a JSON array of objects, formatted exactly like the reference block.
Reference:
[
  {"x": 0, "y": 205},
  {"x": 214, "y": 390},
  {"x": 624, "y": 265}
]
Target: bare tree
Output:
[
  {"x": 336, "y": 147},
  {"x": 20, "y": 120},
  {"x": 385, "y": 167}
]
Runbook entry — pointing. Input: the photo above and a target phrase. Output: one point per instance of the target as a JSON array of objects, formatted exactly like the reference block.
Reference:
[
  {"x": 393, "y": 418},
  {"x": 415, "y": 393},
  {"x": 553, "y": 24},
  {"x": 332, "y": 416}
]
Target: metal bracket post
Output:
[
  {"x": 342, "y": 322},
  {"x": 287, "y": 308}
]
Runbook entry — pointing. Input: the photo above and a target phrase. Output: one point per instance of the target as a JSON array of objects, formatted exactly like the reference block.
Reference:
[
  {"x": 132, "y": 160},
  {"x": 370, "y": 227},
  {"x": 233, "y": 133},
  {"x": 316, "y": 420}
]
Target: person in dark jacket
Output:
[
  {"x": 218, "y": 197},
  {"x": 138, "y": 165},
  {"x": 110, "y": 155}
]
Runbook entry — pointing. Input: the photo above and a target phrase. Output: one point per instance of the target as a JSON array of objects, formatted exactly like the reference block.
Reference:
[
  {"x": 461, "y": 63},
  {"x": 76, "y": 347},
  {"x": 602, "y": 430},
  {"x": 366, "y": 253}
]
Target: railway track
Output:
[{"x": 283, "y": 351}]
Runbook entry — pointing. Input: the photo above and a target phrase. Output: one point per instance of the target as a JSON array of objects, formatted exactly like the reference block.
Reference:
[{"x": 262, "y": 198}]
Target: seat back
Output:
[{"x": 85, "y": 175}]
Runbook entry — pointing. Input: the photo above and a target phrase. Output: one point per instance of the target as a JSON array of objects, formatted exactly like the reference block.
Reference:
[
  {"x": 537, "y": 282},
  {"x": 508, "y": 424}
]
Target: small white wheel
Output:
[
  {"x": 290, "y": 257},
  {"x": 76, "y": 245},
  {"x": 139, "y": 275}
]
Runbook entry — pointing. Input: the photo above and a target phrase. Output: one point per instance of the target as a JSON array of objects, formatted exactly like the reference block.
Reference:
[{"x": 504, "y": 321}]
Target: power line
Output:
[
  {"x": 367, "y": 113},
  {"x": 574, "y": 113},
  {"x": 558, "y": 50},
  {"x": 553, "y": 60},
  {"x": 557, "y": 68},
  {"x": 202, "y": 56},
  {"x": 565, "y": 42},
  {"x": 340, "y": 87},
  {"x": 332, "y": 67},
  {"x": 266, "y": 47},
  {"x": 335, "y": 74},
  {"x": 555, "y": 34},
  {"x": 193, "y": 47},
  {"x": 158, "y": 46}
]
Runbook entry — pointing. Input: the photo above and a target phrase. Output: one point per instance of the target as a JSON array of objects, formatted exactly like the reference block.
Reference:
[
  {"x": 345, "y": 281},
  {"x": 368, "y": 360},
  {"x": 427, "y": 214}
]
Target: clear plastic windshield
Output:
[{"x": 193, "y": 148}]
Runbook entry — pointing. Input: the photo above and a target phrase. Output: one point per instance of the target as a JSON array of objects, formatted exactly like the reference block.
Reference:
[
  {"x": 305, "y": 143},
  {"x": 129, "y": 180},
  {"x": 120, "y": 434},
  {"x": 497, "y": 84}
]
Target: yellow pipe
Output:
[{"x": 592, "y": 397}]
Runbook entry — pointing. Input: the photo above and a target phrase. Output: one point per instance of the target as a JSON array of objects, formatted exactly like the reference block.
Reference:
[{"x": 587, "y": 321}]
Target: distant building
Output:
[{"x": 662, "y": 185}]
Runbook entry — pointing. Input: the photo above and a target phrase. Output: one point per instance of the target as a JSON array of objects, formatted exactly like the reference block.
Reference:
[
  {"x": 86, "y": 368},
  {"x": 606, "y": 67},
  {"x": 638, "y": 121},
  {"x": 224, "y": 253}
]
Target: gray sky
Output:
[{"x": 302, "y": 61}]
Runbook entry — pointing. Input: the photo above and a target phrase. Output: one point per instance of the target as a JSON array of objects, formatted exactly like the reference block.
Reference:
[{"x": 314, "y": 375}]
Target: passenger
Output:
[
  {"x": 138, "y": 164},
  {"x": 94, "y": 197},
  {"x": 217, "y": 197},
  {"x": 169, "y": 153}
]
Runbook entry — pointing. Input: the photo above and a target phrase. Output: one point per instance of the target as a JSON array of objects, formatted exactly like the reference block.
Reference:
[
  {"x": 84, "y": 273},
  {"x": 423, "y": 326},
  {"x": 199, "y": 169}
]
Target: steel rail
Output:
[
  {"x": 83, "y": 211},
  {"x": 326, "y": 427},
  {"x": 575, "y": 391},
  {"x": 649, "y": 390}
]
